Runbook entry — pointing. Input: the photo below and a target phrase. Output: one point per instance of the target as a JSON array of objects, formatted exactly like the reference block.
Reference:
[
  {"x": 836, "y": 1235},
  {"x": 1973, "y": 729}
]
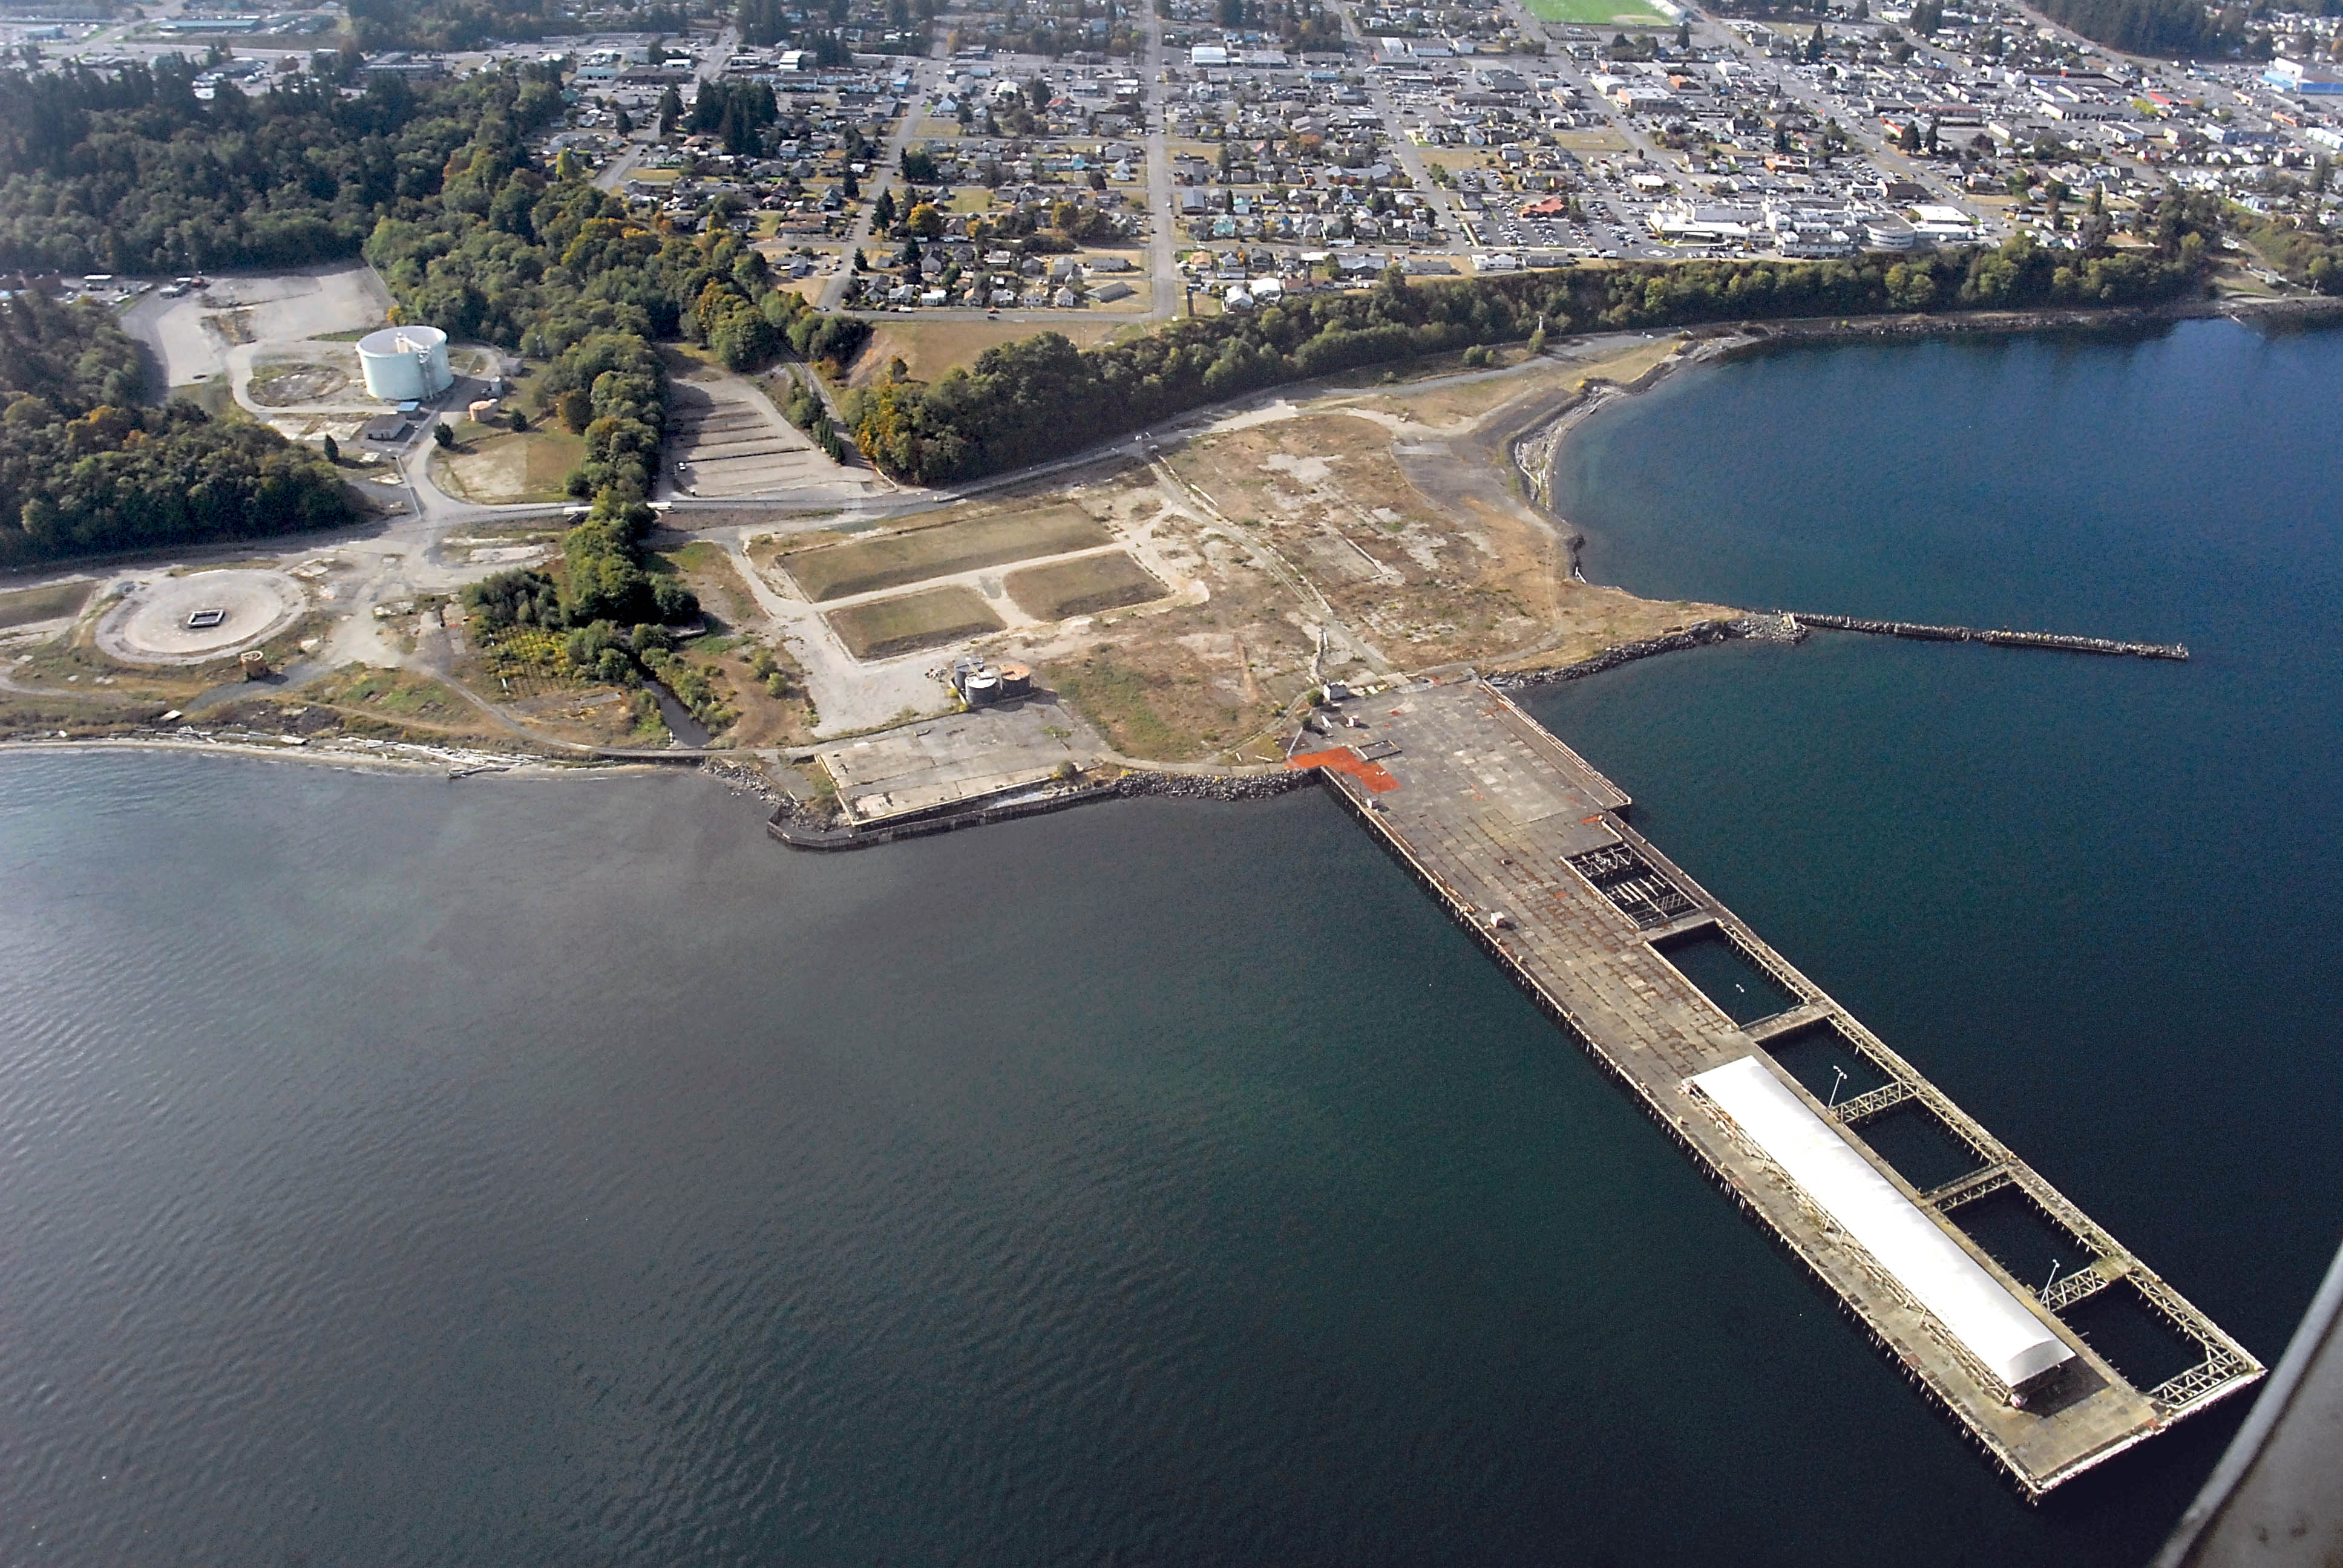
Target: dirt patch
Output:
[
  {"x": 281, "y": 386},
  {"x": 1425, "y": 584},
  {"x": 1456, "y": 401},
  {"x": 710, "y": 574},
  {"x": 886, "y": 627},
  {"x": 868, "y": 565},
  {"x": 515, "y": 467},
  {"x": 1083, "y": 587},
  {"x": 50, "y": 601}
]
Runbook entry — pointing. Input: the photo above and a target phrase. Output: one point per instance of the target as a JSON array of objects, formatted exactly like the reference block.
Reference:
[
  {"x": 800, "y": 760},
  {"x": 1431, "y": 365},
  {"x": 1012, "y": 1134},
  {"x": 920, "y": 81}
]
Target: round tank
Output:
[
  {"x": 404, "y": 363},
  {"x": 981, "y": 688},
  {"x": 1015, "y": 681}
]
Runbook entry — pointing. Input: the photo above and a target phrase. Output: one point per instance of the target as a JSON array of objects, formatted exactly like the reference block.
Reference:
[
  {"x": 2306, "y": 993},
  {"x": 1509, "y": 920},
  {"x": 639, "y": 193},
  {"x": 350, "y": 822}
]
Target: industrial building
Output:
[
  {"x": 404, "y": 364},
  {"x": 980, "y": 684},
  {"x": 1979, "y": 1311}
]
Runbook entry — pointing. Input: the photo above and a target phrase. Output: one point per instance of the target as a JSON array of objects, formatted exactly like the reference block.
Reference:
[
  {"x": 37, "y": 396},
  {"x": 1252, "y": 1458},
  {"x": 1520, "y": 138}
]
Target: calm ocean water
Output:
[{"x": 396, "y": 1171}]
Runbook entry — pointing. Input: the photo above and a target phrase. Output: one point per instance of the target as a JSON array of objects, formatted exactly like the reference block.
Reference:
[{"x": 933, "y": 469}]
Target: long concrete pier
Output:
[{"x": 1529, "y": 849}]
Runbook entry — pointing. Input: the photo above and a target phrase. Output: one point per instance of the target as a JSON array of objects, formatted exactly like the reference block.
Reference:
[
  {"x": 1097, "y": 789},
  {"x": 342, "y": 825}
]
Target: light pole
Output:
[
  {"x": 1836, "y": 1084},
  {"x": 2053, "y": 1279}
]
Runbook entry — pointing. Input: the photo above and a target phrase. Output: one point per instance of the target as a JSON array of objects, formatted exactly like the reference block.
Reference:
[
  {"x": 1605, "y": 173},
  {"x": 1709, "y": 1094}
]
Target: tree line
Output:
[
  {"x": 458, "y": 24},
  {"x": 612, "y": 609},
  {"x": 130, "y": 171},
  {"x": 543, "y": 262},
  {"x": 1040, "y": 397},
  {"x": 85, "y": 469},
  {"x": 2171, "y": 27}
]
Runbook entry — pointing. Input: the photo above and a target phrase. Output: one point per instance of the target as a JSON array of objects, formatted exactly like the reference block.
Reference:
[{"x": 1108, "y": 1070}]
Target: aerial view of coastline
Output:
[{"x": 1248, "y": 781}]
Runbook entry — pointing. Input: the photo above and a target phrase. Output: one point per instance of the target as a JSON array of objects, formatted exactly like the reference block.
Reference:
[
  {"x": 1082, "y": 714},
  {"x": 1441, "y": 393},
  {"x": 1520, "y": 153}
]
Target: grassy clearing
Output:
[
  {"x": 215, "y": 398},
  {"x": 1597, "y": 12},
  {"x": 1085, "y": 587},
  {"x": 1590, "y": 141},
  {"x": 50, "y": 601},
  {"x": 891, "y": 560},
  {"x": 532, "y": 465},
  {"x": 396, "y": 692},
  {"x": 887, "y": 627},
  {"x": 713, "y": 576},
  {"x": 930, "y": 349},
  {"x": 1115, "y": 698}
]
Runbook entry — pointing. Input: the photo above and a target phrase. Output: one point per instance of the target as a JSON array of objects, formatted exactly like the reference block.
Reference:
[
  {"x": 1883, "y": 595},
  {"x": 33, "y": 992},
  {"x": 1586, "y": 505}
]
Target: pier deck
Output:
[{"x": 1528, "y": 846}]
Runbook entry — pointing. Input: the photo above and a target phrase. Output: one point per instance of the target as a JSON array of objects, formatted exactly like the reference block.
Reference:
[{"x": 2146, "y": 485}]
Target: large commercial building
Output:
[{"x": 2300, "y": 77}]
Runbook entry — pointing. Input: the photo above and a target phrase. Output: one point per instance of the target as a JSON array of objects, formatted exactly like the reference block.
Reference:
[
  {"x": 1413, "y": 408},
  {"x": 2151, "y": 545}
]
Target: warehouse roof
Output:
[{"x": 1980, "y": 1310}]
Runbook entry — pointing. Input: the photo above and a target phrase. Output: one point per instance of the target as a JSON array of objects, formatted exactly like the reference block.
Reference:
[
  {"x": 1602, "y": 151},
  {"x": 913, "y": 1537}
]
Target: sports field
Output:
[
  {"x": 891, "y": 560},
  {"x": 1599, "y": 13},
  {"x": 1083, "y": 587},
  {"x": 885, "y": 628}
]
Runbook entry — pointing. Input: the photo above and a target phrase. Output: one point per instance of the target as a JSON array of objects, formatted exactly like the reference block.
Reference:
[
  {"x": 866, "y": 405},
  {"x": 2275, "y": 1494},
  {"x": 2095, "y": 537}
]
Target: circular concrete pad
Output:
[{"x": 150, "y": 625}]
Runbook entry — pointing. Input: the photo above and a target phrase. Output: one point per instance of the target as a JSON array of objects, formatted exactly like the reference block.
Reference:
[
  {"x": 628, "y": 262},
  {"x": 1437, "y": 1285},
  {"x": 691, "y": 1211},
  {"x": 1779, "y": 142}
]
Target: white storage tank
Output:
[{"x": 403, "y": 364}]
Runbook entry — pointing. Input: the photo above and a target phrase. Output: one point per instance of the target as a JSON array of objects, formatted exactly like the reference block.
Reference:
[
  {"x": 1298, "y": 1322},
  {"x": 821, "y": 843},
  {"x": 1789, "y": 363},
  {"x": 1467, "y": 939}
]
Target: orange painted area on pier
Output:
[{"x": 1343, "y": 760}]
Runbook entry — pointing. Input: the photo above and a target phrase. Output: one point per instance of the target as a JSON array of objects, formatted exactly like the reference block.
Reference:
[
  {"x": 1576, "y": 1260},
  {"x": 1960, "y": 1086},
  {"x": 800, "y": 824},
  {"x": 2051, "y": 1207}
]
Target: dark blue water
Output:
[
  {"x": 2088, "y": 896},
  {"x": 394, "y": 1172}
]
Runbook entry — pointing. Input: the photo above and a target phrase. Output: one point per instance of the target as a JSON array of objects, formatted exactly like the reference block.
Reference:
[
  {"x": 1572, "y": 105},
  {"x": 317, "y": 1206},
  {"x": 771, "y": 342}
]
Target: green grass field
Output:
[
  {"x": 1085, "y": 587},
  {"x": 885, "y": 628},
  {"x": 1598, "y": 13},
  {"x": 865, "y": 566}
]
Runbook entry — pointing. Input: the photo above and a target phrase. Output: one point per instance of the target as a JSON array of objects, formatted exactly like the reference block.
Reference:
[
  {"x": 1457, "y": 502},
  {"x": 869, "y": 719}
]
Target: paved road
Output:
[
  {"x": 1411, "y": 156},
  {"x": 884, "y": 173},
  {"x": 1162, "y": 216},
  {"x": 611, "y": 176}
]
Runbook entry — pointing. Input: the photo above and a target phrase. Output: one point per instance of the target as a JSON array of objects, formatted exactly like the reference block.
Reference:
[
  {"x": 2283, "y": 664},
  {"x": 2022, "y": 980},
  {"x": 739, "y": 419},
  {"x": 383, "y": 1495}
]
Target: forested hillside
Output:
[
  {"x": 546, "y": 264},
  {"x": 2168, "y": 27},
  {"x": 85, "y": 469},
  {"x": 449, "y": 23},
  {"x": 132, "y": 173}
]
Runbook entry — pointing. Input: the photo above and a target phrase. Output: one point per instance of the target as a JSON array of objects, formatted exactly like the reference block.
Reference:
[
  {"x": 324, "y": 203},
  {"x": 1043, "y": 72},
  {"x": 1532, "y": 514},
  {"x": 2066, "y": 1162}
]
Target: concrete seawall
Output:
[{"x": 789, "y": 828}]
